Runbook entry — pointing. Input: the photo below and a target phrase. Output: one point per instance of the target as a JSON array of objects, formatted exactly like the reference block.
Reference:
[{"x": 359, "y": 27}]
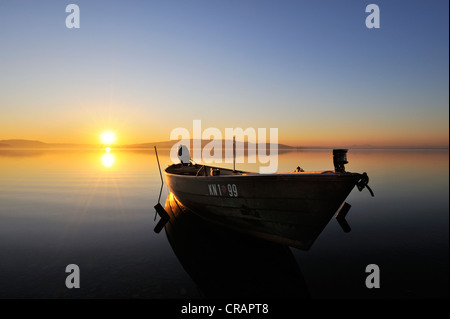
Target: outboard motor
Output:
[
  {"x": 339, "y": 160},
  {"x": 183, "y": 155}
]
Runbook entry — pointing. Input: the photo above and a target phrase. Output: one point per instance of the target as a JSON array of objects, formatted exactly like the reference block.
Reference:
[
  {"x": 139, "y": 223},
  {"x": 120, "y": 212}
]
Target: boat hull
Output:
[{"x": 288, "y": 208}]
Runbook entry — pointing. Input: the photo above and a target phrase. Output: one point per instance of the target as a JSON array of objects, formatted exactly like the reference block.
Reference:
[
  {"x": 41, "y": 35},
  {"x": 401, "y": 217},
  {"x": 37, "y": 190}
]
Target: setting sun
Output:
[{"x": 108, "y": 137}]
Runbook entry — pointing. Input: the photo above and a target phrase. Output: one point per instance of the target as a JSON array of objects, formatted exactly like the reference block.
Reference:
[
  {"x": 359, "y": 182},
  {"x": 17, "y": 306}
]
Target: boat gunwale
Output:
[{"x": 327, "y": 173}]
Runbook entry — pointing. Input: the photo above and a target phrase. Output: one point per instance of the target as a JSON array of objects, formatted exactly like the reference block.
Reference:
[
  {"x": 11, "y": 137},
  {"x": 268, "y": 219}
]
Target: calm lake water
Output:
[{"x": 95, "y": 209}]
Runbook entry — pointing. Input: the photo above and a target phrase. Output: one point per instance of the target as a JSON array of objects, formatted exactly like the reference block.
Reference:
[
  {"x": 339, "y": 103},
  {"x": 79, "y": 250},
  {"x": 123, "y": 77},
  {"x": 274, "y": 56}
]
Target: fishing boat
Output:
[{"x": 292, "y": 206}]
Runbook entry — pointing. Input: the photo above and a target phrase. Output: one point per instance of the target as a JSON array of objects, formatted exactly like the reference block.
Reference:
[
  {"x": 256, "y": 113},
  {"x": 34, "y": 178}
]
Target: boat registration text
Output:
[{"x": 222, "y": 190}]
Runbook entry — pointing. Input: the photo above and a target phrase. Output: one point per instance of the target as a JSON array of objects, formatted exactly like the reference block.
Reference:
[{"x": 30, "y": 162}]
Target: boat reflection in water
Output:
[{"x": 225, "y": 263}]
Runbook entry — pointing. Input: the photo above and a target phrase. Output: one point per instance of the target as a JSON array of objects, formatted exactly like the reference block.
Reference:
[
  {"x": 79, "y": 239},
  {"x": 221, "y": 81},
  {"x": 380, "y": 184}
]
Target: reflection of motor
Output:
[{"x": 339, "y": 160}]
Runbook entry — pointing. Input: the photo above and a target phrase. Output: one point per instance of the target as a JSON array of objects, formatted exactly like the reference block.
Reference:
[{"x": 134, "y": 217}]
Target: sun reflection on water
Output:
[{"x": 108, "y": 159}]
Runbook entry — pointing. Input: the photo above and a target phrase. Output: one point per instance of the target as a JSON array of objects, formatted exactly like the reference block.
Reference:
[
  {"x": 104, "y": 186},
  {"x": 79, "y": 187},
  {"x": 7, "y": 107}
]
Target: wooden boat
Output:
[{"x": 293, "y": 206}]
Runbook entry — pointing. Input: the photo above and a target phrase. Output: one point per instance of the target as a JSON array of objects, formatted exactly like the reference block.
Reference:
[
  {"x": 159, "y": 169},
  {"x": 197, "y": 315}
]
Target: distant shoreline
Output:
[{"x": 20, "y": 144}]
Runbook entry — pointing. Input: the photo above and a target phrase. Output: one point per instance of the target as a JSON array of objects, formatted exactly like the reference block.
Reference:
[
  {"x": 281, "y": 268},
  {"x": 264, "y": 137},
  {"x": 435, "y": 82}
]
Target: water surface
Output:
[{"x": 95, "y": 209}]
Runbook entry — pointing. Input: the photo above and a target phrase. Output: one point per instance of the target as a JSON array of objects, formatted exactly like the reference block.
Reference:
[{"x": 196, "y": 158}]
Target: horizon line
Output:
[{"x": 39, "y": 144}]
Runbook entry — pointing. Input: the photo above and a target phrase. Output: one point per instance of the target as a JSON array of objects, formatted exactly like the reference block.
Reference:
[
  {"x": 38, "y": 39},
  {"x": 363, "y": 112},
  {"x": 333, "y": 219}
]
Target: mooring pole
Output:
[
  {"x": 162, "y": 183},
  {"x": 234, "y": 153},
  {"x": 160, "y": 174},
  {"x": 158, "y": 207}
]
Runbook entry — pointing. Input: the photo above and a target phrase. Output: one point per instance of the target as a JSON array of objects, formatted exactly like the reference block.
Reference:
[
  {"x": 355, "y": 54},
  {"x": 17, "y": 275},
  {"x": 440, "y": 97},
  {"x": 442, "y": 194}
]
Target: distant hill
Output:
[
  {"x": 162, "y": 145},
  {"x": 31, "y": 144},
  {"x": 21, "y": 143},
  {"x": 169, "y": 144}
]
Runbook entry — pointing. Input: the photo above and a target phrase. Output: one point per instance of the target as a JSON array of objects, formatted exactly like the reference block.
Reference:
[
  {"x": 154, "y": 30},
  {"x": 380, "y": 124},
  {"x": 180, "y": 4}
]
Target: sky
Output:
[{"x": 312, "y": 69}]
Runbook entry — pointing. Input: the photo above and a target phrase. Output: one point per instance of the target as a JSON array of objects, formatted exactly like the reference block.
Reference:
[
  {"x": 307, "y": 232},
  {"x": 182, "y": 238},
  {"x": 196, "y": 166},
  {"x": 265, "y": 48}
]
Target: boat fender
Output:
[
  {"x": 340, "y": 217},
  {"x": 164, "y": 218}
]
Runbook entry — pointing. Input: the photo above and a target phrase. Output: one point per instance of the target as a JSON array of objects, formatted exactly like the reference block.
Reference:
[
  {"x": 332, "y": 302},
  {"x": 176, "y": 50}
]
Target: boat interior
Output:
[
  {"x": 202, "y": 170},
  {"x": 205, "y": 170}
]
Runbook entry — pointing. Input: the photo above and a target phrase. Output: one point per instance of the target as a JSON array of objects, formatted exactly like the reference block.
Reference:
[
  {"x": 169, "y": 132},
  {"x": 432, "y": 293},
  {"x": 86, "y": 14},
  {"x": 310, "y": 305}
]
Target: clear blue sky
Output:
[{"x": 310, "y": 68}]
